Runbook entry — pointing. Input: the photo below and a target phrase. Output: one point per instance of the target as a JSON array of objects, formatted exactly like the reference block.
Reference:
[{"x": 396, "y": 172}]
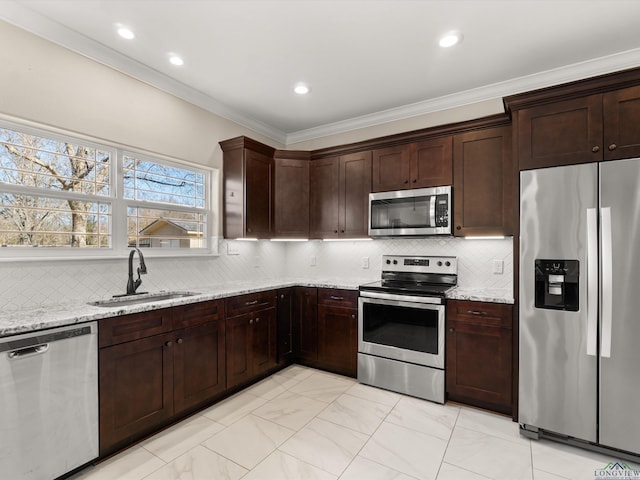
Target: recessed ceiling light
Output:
[
  {"x": 176, "y": 60},
  {"x": 301, "y": 89},
  {"x": 124, "y": 32},
  {"x": 450, "y": 39}
]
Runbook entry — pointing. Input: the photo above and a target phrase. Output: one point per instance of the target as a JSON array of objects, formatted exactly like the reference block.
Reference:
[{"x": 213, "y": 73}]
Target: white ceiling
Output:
[{"x": 367, "y": 62}]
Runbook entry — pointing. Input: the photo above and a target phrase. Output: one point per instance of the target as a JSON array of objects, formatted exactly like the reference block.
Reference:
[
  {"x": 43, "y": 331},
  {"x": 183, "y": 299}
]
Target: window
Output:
[{"x": 64, "y": 195}]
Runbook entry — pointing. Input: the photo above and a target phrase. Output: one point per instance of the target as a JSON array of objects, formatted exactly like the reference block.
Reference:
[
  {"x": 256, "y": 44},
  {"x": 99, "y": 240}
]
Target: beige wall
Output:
[{"x": 47, "y": 84}]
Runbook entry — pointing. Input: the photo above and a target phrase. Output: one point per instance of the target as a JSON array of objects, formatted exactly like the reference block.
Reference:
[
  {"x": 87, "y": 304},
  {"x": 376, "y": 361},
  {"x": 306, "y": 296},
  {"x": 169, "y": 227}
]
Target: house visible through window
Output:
[{"x": 63, "y": 194}]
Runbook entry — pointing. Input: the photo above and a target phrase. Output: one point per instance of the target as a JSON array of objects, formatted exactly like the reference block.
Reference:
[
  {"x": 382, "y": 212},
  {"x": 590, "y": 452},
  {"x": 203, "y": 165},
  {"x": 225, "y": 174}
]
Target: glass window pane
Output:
[
  {"x": 35, "y": 161},
  {"x": 155, "y": 182},
  {"x": 32, "y": 221},
  {"x": 148, "y": 227}
]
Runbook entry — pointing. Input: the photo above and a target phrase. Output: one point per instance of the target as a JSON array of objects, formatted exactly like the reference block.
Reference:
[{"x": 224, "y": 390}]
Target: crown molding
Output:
[
  {"x": 569, "y": 73},
  {"x": 23, "y": 17}
]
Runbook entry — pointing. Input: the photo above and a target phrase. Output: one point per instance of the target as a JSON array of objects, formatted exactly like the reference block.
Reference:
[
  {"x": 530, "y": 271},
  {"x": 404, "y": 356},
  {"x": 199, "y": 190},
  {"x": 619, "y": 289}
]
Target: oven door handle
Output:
[{"x": 402, "y": 298}]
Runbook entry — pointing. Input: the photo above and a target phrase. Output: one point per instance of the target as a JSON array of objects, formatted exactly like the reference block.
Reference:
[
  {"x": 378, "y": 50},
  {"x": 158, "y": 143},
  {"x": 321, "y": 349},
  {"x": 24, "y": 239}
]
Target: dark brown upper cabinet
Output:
[
  {"x": 565, "y": 128},
  {"x": 248, "y": 169},
  {"x": 482, "y": 182},
  {"x": 291, "y": 194},
  {"x": 421, "y": 164},
  {"x": 339, "y": 196}
]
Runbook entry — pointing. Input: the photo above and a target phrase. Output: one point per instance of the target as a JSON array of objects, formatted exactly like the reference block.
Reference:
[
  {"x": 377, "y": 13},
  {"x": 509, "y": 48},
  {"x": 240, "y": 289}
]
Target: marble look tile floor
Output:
[{"x": 304, "y": 424}]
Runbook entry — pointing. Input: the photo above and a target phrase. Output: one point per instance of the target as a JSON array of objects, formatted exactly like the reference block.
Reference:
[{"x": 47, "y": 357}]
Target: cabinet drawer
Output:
[
  {"x": 250, "y": 303},
  {"x": 481, "y": 313},
  {"x": 338, "y": 298},
  {"x": 133, "y": 327},
  {"x": 198, "y": 313}
]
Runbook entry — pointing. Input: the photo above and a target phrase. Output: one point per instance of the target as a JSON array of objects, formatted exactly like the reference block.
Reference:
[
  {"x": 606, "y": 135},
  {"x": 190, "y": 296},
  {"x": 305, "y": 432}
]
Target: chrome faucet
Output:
[{"x": 132, "y": 285}]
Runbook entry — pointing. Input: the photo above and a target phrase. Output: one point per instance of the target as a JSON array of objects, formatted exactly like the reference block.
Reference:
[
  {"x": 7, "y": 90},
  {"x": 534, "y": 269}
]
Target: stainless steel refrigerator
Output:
[{"x": 579, "y": 303}]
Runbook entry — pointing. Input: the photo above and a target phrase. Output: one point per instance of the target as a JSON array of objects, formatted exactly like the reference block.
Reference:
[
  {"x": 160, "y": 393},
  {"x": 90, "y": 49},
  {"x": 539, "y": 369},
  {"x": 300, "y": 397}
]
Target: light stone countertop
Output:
[{"x": 73, "y": 312}]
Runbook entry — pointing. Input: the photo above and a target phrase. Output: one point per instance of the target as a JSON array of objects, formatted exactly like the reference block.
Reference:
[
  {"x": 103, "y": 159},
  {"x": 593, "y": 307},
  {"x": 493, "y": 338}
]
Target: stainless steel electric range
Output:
[{"x": 401, "y": 331}]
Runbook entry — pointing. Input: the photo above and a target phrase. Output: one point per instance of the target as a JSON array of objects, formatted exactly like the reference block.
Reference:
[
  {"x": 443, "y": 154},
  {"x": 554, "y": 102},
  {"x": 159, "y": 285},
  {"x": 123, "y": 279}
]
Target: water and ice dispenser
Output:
[{"x": 557, "y": 284}]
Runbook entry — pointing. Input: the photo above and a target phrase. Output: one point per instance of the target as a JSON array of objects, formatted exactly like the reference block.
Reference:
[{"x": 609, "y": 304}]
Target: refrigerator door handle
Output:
[
  {"x": 607, "y": 282},
  {"x": 592, "y": 281}
]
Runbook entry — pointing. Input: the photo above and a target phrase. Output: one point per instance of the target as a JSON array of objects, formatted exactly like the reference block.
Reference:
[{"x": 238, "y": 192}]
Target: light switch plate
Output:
[
  {"x": 498, "y": 267},
  {"x": 312, "y": 262},
  {"x": 232, "y": 248},
  {"x": 365, "y": 262}
]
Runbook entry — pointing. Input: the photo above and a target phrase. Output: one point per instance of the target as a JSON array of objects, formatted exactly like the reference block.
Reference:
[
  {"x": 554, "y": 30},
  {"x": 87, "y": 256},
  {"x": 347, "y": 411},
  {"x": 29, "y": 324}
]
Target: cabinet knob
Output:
[
  {"x": 415, "y": 180},
  {"x": 613, "y": 146},
  {"x": 168, "y": 344},
  {"x": 451, "y": 330},
  {"x": 179, "y": 341},
  {"x": 406, "y": 181},
  {"x": 335, "y": 231},
  {"x": 248, "y": 230},
  {"x": 595, "y": 149},
  {"x": 353, "y": 315},
  {"x": 341, "y": 231},
  {"x": 257, "y": 319},
  {"x": 250, "y": 321},
  {"x": 282, "y": 295},
  {"x": 459, "y": 227}
]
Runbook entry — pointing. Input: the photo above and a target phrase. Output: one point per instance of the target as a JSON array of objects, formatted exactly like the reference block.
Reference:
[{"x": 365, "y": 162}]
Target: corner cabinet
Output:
[
  {"x": 483, "y": 195},
  {"x": 339, "y": 196},
  {"x": 479, "y": 354},
  {"x": 156, "y": 366},
  {"x": 248, "y": 169},
  {"x": 291, "y": 194}
]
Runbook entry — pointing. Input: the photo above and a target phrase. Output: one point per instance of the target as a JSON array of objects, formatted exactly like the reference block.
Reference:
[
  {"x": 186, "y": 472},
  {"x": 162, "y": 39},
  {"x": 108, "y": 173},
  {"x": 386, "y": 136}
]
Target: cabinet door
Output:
[
  {"x": 263, "y": 341},
  {"x": 238, "y": 349},
  {"x": 432, "y": 163},
  {"x": 291, "y": 204},
  {"x": 337, "y": 339},
  {"x": 258, "y": 194},
  {"x": 306, "y": 324},
  {"x": 479, "y": 365},
  {"x": 199, "y": 364},
  {"x": 324, "y": 198},
  {"x": 355, "y": 186},
  {"x": 622, "y": 123},
  {"x": 136, "y": 390},
  {"x": 391, "y": 168},
  {"x": 482, "y": 182},
  {"x": 560, "y": 133},
  {"x": 285, "y": 324}
]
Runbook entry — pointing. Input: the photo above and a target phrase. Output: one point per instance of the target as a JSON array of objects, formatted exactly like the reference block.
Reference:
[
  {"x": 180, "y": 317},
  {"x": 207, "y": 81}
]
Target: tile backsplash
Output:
[{"x": 32, "y": 284}]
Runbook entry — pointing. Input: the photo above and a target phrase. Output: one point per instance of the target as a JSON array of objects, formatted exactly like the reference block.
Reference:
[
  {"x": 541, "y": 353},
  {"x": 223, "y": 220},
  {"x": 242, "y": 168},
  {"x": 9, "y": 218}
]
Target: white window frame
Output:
[{"x": 118, "y": 204}]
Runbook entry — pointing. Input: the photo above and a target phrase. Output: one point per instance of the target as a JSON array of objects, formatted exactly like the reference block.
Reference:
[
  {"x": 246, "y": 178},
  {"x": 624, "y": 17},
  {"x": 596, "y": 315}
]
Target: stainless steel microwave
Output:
[{"x": 421, "y": 211}]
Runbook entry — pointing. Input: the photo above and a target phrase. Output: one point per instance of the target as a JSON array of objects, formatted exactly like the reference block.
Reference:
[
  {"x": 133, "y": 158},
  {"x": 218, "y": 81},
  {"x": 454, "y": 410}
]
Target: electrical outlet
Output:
[
  {"x": 365, "y": 262},
  {"x": 232, "y": 248},
  {"x": 498, "y": 267},
  {"x": 312, "y": 262},
  {"x": 256, "y": 261}
]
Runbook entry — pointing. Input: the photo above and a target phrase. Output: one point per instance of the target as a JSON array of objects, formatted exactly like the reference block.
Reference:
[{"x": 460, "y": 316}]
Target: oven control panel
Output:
[{"x": 419, "y": 264}]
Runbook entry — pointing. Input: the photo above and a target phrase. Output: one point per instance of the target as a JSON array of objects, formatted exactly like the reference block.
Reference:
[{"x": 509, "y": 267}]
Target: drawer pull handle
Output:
[
  {"x": 476, "y": 312},
  {"x": 253, "y": 302},
  {"x": 334, "y": 297}
]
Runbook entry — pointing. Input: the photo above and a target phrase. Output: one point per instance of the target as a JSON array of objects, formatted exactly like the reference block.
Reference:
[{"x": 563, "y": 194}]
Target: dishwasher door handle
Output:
[{"x": 29, "y": 351}]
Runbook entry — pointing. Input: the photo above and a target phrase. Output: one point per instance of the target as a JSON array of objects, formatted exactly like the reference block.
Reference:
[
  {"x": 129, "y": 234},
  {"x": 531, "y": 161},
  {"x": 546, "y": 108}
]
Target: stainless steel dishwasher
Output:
[{"x": 48, "y": 402}]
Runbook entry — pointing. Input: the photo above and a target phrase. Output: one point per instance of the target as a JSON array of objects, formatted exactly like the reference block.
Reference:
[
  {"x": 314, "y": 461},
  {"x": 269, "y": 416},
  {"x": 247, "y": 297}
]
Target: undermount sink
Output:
[{"x": 136, "y": 299}]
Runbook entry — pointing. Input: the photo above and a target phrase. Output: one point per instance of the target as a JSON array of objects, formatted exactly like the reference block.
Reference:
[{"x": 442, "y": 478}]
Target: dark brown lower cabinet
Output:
[
  {"x": 479, "y": 354},
  {"x": 251, "y": 338},
  {"x": 285, "y": 314},
  {"x": 148, "y": 379},
  {"x": 305, "y": 325},
  {"x": 338, "y": 331}
]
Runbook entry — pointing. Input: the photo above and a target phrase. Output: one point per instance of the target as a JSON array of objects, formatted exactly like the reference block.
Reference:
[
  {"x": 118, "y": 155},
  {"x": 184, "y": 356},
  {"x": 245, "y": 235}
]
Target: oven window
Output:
[{"x": 401, "y": 327}]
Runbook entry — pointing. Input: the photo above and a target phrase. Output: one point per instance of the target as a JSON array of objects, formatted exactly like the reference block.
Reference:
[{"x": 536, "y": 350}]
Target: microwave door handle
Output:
[{"x": 432, "y": 211}]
